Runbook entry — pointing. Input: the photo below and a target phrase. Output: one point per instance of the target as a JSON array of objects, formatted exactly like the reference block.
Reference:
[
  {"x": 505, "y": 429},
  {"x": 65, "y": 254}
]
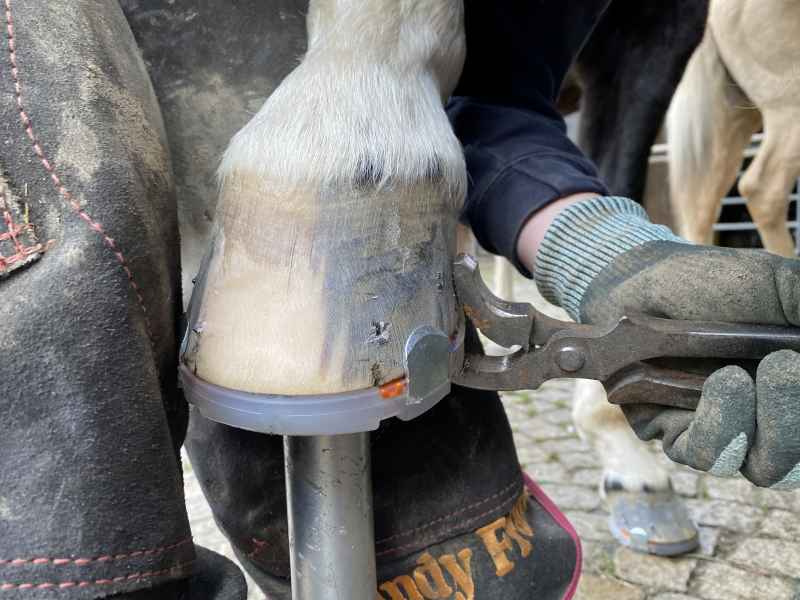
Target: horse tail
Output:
[{"x": 691, "y": 118}]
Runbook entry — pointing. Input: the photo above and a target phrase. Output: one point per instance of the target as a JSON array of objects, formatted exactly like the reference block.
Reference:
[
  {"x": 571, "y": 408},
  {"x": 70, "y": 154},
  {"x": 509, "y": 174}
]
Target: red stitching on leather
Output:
[
  {"x": 560, "y": 518},
  {"x": 13, "y": 233},
  {"x": 67, "y": 195},
  {"x": 258, "y": 546},
  {"x": 62, "y": 585},
  {"x": 81, "y": 562},
  {"x": 451, "y": 515}
]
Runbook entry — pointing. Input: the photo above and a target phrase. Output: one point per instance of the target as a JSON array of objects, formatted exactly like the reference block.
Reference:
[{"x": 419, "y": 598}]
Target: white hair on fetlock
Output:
[
  {"x": 365, "y": 101},
  {"x": 625, "y": 459}
]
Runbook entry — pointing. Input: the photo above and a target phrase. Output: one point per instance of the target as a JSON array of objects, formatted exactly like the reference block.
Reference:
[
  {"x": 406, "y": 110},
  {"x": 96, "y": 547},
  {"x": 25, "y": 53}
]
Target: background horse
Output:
[{"x": 743, "y": 77}]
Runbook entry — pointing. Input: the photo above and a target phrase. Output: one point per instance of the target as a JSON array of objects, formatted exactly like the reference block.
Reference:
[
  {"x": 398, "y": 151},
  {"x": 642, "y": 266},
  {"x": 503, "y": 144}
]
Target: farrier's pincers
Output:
[{"x": 640, "y": 359}]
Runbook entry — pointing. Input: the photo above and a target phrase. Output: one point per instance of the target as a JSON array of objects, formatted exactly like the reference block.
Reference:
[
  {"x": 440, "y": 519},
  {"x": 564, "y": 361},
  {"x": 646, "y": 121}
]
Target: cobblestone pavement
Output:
[{"x": 750, "y": 547}]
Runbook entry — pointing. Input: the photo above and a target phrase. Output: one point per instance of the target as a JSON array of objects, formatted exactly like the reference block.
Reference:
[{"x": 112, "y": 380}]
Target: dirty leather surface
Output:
[
  {"x": 682, "y": 281},
  {"x": 18, "y": 244},
  {"x": 214, "y": 577},
  {"x": 90, "y": 486}
]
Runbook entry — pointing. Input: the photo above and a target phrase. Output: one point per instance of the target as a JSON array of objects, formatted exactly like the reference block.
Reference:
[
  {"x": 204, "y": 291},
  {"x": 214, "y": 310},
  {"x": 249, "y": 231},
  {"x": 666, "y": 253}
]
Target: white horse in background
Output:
[{"x": 744, "y": 76}]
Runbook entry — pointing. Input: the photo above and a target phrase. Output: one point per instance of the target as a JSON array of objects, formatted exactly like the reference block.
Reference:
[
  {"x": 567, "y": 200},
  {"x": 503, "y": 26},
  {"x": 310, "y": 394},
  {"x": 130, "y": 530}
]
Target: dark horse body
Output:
[{"x": 628, "y": 72}]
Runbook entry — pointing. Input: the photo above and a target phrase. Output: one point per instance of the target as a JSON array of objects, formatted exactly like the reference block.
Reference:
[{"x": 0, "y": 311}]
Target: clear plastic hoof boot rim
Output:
[{"x": 429, "y": 355}]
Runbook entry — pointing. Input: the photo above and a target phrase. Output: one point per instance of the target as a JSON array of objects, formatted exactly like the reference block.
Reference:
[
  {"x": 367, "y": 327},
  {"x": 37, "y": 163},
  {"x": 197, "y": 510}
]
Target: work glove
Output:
[{"x": 602, "y": 259}]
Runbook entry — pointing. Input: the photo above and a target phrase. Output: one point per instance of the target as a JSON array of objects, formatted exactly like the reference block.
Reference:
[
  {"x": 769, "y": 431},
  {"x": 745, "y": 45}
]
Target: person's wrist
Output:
[{"x": 533, "y": 231}]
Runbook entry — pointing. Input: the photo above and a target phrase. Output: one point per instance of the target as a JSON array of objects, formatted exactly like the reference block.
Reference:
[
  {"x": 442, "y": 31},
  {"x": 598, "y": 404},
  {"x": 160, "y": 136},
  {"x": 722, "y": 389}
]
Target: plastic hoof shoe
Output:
[{"x": 654, "y": 522}]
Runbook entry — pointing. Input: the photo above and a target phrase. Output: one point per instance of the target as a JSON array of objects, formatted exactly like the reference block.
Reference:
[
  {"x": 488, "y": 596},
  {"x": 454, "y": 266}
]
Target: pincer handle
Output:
[{"x": 684, "y": 353}]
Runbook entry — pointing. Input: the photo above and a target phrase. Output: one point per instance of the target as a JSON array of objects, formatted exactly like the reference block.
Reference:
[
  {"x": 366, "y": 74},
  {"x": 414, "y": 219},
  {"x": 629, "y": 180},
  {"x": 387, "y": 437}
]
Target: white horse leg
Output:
[
  {"x": 769, "y": 179},
  {"x": 465, "y": 241},
  {"x": 503, "y": 278},
  {"x": 625, "y": 458},
  {"x": 337, "y": 215},
  {"x": 645, "y": 513},
  {"x": 707, "y": 131}
]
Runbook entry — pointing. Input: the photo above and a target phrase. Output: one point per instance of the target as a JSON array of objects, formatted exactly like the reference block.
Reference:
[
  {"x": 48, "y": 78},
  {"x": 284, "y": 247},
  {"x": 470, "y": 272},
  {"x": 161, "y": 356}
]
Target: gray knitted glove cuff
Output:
[{"x": 583, "y": 240}]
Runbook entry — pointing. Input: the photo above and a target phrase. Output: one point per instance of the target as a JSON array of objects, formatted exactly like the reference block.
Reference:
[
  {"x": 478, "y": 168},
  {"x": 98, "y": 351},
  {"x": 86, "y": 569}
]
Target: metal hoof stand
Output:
[
  {"x": 331, "y": 533},
  {"x": 328, "y": 462}
]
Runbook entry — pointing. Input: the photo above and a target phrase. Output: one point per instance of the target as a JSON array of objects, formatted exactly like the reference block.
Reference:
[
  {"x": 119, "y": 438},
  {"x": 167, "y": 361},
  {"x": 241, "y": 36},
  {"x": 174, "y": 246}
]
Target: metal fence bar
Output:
[
  {"x": 738, "y": 200},
  {"x": 745, "y": 226}
]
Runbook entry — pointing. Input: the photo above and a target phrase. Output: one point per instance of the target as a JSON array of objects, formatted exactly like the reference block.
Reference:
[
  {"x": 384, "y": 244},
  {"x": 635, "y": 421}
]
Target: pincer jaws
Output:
[{"x": 508, "y": 324}]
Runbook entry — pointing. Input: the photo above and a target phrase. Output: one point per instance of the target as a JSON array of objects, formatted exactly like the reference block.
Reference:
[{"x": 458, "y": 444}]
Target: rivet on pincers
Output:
[{"x": 570, "y": 359}]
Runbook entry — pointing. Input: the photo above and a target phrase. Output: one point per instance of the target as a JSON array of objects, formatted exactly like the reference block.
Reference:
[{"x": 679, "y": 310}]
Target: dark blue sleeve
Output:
[{"x": 518, "y": 155}]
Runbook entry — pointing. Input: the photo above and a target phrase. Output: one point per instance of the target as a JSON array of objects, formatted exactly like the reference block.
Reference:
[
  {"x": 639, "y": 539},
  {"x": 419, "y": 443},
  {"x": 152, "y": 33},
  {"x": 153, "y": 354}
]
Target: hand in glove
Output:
[{"x": 602, "y": 258}]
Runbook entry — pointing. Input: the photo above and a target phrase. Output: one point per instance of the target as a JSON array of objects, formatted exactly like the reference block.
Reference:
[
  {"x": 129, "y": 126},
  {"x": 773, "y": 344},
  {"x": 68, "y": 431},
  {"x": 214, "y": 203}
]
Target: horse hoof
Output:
[
  {"x": 318, "y": 293},
  {"x": 335, "y": 229},
  {"x": 650, "y": 521}
]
